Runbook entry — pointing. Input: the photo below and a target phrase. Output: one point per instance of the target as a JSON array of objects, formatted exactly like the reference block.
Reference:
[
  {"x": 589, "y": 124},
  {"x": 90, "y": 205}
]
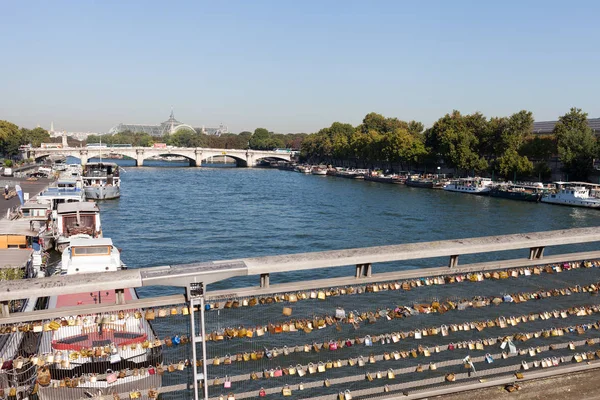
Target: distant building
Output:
[
  {"x": 170, "y": 126},
  {"x": 546, "y": 127},
  {"x": 75, "y": 135}
]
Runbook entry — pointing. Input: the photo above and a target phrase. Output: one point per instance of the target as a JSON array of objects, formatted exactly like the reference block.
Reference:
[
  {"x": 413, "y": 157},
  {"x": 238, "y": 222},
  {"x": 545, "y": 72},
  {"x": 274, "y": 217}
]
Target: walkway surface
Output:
[
  {"x": 583, "y": 385},
  {"x": 31, "y": 187}
]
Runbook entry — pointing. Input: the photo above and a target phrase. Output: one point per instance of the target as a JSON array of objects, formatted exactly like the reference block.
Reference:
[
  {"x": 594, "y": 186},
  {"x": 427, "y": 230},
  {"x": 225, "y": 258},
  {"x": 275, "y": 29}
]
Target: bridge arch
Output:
[{"x": 191, "y": 161}]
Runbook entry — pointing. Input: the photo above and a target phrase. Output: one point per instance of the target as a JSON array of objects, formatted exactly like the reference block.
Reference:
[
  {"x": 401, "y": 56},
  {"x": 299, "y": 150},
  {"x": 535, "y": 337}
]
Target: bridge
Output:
[
  {"x": 418, "y": 332},
  {"x": 243, "y": 158}
]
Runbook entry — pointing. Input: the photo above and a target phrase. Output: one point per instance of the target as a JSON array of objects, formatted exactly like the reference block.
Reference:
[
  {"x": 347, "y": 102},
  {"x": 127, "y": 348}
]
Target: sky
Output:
[{"x": 293, "y": 66}]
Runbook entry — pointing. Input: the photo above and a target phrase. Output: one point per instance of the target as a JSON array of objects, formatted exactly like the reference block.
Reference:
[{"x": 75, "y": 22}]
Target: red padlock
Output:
[
  {"x": 262, "y": 393},
  {"x": 348, "y": 343},
  {"x": 333, "y": 345}
]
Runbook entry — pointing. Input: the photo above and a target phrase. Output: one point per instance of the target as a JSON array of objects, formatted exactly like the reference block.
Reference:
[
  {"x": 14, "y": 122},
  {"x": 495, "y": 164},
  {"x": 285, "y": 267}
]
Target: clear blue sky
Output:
[{"x": 293, "y": 66}]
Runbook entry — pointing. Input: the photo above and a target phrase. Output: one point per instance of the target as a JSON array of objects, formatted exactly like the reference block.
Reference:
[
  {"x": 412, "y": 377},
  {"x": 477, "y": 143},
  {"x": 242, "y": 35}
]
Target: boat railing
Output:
[{"x": 407, "y": 327}]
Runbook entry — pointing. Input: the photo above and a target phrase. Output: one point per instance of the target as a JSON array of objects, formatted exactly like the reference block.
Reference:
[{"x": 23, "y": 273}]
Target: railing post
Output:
[
  {"x": 120, "y": 296},
  {"x": 453, "y": 261},
  {"x": 264, "y": 280},
  {"x": 363, "y": 270},
  {"x": 536, "y": 253},
  {"x": 193, "y": 293},
  {"x": 4, "y": 310}
]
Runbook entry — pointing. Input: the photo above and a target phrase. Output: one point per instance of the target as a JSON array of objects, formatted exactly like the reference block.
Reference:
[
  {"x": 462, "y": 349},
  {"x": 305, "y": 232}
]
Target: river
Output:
[{"x": 181, "y": 215}]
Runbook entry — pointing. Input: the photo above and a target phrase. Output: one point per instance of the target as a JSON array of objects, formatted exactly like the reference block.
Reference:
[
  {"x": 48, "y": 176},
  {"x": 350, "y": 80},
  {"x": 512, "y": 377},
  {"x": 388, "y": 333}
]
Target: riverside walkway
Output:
[{"x": 411, "y": 333}]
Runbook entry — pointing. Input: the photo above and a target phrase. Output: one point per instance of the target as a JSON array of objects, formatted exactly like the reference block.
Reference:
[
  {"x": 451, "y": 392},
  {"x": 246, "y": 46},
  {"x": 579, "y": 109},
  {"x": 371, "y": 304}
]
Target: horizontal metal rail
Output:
[
  {"x": 398, "y": 276},
  {"x": 54, "y": 313},
  {"x": 209, "y": 272}
]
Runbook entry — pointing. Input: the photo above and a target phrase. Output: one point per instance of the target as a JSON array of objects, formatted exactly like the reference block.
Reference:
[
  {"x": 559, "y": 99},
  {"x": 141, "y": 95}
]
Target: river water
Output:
[{"x": 181, "y": 215}]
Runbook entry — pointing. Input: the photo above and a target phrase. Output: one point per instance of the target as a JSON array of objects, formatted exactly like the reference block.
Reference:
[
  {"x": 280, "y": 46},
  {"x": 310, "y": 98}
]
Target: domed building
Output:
[{"x": 169, "y": 126}]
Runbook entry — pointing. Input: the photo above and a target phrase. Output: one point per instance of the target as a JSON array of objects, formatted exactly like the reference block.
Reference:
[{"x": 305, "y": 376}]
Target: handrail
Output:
[{"x": 209, "y": 272}]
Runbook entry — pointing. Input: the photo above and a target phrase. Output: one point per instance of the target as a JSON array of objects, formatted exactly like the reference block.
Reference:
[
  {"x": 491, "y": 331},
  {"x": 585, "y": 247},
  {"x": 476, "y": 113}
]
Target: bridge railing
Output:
[{"x": 416, "y": 332}]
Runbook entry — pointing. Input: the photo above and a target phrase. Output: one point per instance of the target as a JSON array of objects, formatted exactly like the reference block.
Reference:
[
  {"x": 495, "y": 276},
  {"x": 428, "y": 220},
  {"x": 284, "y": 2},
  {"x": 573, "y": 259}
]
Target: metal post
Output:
[
  {"x": 264, "y": 280},
  {"x": 193, "y": 331},
  {"x": 203, "y": 331},
  {"x": 453, "y": 261}
]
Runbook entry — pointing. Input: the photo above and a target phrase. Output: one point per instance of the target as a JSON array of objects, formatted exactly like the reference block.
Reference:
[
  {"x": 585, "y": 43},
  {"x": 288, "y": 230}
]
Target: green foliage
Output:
[
  {"x": 8, "y": 163},
  {"x": 576, "y": 144},
  {"x": 262, "y": 139},
  {"x": 187, "y": 138},
  {"x": 11, "y": 274},
  {"x": 542, "y": 171},
  {"x": 456, "y": 139},
  {"x": 539, "y": 148}
]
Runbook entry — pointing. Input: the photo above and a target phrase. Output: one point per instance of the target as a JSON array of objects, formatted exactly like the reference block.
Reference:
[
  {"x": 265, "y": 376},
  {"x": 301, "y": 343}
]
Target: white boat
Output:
[
  {"x": 107, "y": 352},
  {"x": 101, "y": 181},
  {"x": 576, "y": 194},
  {"x": 318, "y": 170},
  {"x": 304, "y": 169},
  {"x": 65, "y": 191},
  {"x": 475, "y": 185},
  {"x": 81, "y": 220}
]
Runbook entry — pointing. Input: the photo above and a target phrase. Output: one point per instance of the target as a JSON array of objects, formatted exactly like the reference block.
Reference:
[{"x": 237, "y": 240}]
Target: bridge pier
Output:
[
  {"x": 197, "y": 161},
  {"x": 139, "y": 157},
  {"x": 83, "y": 156},
  {"x": 249, "y": 160}
]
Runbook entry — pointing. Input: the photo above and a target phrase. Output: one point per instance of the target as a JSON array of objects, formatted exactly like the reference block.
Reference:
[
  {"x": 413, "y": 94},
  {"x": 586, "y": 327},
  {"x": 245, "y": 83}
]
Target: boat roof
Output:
[
  {"x": 35, "y": 204},
  {"x": 14, "y": 258},
  {"x": 576, "y": 183},
  {"x": 77, "y": 299},
  {"x": 77, "y": 242},
  {"x": 82, "y": 206},
  {"x": 16, "y": 227},
  {"x": 66, "y": 180}
]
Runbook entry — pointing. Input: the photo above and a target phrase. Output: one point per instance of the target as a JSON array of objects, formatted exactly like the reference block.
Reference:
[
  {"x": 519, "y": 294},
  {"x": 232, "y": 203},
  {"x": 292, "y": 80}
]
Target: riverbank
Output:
[{"x": 31, "y": 187}]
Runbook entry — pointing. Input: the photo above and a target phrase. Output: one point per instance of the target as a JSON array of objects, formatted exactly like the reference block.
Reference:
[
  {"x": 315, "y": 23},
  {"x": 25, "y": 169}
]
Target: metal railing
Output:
[{"x": 411, "y": 331}]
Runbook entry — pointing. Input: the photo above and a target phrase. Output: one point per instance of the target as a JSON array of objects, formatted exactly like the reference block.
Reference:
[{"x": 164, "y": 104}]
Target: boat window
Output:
[{"x": 91, "y": 251}]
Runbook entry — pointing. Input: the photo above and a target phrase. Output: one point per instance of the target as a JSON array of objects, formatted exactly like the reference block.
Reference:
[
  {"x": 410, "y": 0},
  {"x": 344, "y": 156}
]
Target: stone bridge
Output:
[{"x": 243, "y": 158}]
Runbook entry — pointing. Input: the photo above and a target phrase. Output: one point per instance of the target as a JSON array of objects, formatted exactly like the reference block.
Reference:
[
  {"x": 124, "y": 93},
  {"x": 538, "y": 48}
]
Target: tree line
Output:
[
  {"x": 499, "y": 146},
  {"x": 260, "y": 139},
  {"x": 12, "y": 137}
]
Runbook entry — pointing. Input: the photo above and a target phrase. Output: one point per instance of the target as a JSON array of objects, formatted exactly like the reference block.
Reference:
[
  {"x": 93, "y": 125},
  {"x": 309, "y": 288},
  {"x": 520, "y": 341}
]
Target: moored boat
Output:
[
  {"x": 532, "y": 193},
  {"x": 319, "y": 170},
  {"x": 101, "y": 181},
  {"x": 80, "y": 220},
  {"x": 576, "y": 194},
  {"x": 475, "y": 185},
  {"x": 103, "y": 353}
]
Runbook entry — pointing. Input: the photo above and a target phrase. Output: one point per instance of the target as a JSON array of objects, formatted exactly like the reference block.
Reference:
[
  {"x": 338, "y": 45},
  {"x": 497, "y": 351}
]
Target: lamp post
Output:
[{"x": 438, "y": 172}]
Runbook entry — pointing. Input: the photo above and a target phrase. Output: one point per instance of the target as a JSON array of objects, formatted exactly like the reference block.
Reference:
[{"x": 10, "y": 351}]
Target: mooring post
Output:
[{"x": 363, "y": 270}]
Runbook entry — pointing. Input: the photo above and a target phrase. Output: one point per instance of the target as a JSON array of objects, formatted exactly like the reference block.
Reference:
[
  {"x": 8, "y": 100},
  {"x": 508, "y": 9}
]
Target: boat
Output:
[
  {"x": 304, "y": 169},
  {"x": 64, "y": 191},
  {"x": 576, "y": 194},
  {"x": 419, "y": 182},
  {"x": 523, "y": 192},
  {"x": 104, "y": 353},
  {"x": 101, "y": 181},
  {"x": 380, "y": 177},
  {"x": 351, "y": 173},
  {"x": 39, "y": 215},
  {"x": 318, "y": 170},
  {"x": 76, "y": 220},
  {"x": 475, "y": 185}
]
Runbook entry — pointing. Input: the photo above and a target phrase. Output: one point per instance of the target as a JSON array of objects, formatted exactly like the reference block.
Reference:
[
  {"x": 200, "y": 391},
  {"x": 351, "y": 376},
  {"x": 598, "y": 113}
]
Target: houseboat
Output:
[
  {"x": 319, "y": 170},
  {"x": 532, "y": 193},
  {"x": 104, "y": 353},
  {"x": 470, "y": 185},
  {"x": 576, "y": 194},
  {"x": 101, "y": 181},
  {"x": 76, "y": 220}
]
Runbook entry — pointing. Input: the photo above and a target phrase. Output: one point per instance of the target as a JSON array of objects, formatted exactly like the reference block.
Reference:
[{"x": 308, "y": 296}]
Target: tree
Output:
[
  {"x": 455, "y": 138},
  {"x": 576, "y": 144},
  {"x": 260, "y": 139},
  {"x": 35, "y": 136},
  {"x": 10, "y": 138}
]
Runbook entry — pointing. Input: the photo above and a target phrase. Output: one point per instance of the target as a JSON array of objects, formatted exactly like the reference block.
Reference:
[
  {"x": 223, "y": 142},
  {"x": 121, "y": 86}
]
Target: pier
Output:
[{"x": 413, "y": 333}]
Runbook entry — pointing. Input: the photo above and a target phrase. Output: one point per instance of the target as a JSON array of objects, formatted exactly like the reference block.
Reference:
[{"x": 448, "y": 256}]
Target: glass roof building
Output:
[
  {"x": 546, "y": 127},
  {"x": 169, "y": 126}
]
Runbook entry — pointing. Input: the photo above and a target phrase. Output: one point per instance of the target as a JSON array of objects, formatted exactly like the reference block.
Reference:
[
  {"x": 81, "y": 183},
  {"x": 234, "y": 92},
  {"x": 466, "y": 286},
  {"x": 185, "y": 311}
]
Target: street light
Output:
[{"x": 438, "y": 170}]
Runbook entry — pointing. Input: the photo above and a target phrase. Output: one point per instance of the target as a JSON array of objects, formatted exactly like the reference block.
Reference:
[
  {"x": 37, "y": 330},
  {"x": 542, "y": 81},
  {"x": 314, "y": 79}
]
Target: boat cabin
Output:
[
  {"x": 78, "y": 218},
  {"x": 90, "y": 256},
  {"x": 34, "y": 210},
  {"x": 101, "y": 174}
]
